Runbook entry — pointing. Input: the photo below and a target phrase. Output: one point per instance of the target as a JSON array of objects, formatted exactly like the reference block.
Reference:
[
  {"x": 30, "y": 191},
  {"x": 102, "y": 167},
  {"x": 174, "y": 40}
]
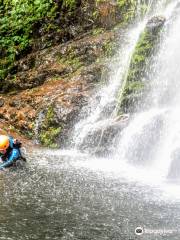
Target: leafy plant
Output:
[{"x": 20, "y": 23}]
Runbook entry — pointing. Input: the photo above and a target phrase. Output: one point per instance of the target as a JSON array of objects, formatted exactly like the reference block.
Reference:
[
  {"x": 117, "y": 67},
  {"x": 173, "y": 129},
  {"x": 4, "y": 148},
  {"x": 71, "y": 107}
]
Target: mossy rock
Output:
[
  {"x": 50, "y": 129},
  {"x": 48, "y": 136},
  {"x": 145, "y": 48},
  {"x": 136, "y": 79}
]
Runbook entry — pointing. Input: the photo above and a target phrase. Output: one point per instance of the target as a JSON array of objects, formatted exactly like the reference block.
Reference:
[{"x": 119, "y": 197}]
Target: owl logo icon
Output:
[{"x": 139, "y": 231}]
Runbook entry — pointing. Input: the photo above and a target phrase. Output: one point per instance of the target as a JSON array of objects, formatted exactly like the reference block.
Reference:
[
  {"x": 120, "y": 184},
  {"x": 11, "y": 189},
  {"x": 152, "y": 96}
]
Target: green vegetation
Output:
[
  {"x": 144, "y": 49},
  {"x": 109, "y": 48},
  {"x": 131, "y": 93},
  {"x": 17, "y": 22},
  {"x": 47, "y": 137},
  {"x": 141, "y": 55},
  {"x": 49, "y": 129},
  {"x": 128, "y": 9},
  {"x": 97, "y": 31},
  {"x": 69, "y": 4},
  {"x": 71, "y": 60},
  {"x": 21, "y": 23},
  {"x": 141, "y": 59}
]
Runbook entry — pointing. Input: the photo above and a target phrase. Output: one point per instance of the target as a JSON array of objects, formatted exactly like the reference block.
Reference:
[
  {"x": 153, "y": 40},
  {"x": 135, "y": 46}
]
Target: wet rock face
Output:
[
  {"x": 67, "y": 24},
  {"x": 46, "y": 113},
  {"x": 30, "y": 110},
  {"x": 61, "y": 61},
  {"x": 99, "y": 140},
  {"x": 55, "y": 122},
  {"x": 44, "y": 91},
  {"x": 107, "y": 13},
  {"x": 137, "y": 77},
  {"x": 60, "y": 78},
  {"x": 48, "y": 127},
  {"x": 154, "y": 25}
]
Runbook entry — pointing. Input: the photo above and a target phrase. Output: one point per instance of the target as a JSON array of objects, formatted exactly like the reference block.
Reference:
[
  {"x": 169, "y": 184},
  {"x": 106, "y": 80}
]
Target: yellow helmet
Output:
[{"x": 4, "y": 142}]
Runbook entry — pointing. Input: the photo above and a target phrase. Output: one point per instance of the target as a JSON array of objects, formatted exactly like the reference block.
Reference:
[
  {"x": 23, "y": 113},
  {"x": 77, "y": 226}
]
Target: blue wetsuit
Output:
[{"x": 13, "y": 153}]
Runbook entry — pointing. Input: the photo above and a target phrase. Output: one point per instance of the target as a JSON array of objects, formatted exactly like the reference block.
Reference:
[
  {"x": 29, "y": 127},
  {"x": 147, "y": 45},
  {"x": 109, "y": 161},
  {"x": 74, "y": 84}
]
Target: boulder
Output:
[{"x": 99, "y": 140}]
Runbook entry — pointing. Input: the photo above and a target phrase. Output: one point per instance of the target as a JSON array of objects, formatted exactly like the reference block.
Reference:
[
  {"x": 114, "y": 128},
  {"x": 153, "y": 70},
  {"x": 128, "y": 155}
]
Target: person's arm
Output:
[{"x": 14, "y": 155}]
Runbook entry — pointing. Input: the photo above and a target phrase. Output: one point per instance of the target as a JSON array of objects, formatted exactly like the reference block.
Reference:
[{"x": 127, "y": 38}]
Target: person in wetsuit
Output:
[{"x": 9, "y": 151}]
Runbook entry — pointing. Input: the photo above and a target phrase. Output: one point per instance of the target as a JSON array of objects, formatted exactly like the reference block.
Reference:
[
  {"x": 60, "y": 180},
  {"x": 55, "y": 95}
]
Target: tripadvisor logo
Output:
[{"x": 139, "y": 231}]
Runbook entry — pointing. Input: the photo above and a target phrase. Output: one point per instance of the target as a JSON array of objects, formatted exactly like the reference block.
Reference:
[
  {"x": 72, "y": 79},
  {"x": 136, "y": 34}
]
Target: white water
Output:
[
  {"x": 152, "y": 138},
  {"x": 100, "y": 104},
  {"x": 147, "y": 148},
  {"x": 107, "y": 95}
]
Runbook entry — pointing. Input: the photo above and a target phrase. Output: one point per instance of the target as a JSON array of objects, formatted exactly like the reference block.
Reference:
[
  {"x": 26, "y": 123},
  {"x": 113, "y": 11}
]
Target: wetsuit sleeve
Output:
[{"x": 14, "y": 155}]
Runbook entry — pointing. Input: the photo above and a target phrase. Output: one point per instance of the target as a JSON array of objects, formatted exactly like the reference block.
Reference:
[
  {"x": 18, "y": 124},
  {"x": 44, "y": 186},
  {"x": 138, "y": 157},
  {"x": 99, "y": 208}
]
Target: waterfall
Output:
[
  {"x": 102, "y": 104},
  {"x": 151, "y": 140},
  {"x": 105, "y": 98}
]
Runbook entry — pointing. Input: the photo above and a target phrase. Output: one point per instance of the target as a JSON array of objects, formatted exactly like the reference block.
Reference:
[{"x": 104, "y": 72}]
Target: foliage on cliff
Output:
[
  {"x": 22, "y": 22},
  {"x": 30, "y": 25},
  {"x": 141, "y": 59},
  {"x": 17, "y": 23}
]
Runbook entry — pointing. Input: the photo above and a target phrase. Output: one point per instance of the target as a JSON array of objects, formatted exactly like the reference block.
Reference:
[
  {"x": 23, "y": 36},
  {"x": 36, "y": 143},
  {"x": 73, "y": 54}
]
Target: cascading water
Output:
[
  {"x": 102, "y": 104},
  {"x": 106, "y": 96},
  {"x": 151, "y": 138},
  {"x": 169, "y": 98}
]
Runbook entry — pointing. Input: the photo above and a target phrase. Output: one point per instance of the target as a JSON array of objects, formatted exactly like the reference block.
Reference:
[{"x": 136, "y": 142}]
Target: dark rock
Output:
[
  {"x": 99, "y": 139},
  {"x": 107, "y": 13},
  {"x": 67, "y": 116},
  {"x": 15, "y": 103},
  {"x": 155, "y": 24},
  {"x": 93, "y": 73}
]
